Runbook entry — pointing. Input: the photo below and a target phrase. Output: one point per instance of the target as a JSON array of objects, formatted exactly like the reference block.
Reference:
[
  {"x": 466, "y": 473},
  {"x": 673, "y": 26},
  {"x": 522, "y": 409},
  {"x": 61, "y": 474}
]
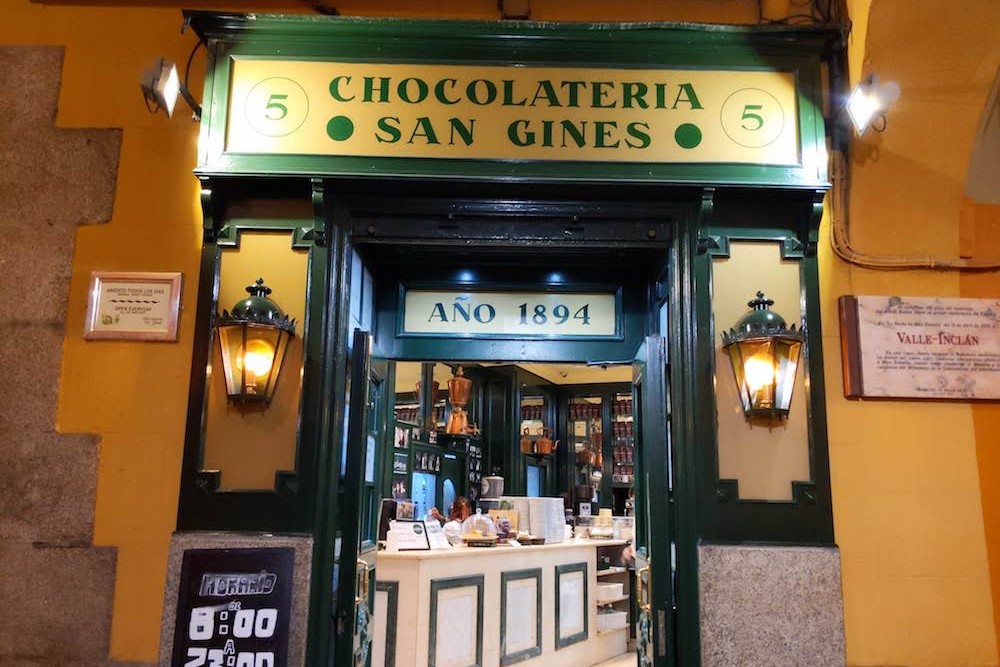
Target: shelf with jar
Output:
[
  {"x": 623, "y": 442},
  {"x": 586, "y": 433},
  {"x": 408, "y": 413},
  {"x": 536, "y": 438}
]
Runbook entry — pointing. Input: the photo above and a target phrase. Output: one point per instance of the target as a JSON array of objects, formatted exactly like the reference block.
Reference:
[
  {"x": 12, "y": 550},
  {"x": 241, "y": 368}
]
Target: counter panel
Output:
[{"x": 495, "y": 606}]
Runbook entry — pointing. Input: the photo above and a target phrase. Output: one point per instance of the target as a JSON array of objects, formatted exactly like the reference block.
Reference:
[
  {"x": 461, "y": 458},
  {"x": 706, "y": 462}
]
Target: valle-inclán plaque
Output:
[{"x": 920, "y": 347}]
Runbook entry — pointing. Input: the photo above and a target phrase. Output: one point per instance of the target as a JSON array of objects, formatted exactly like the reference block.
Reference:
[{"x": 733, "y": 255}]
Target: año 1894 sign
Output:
[{"x": 234, "y": 607}]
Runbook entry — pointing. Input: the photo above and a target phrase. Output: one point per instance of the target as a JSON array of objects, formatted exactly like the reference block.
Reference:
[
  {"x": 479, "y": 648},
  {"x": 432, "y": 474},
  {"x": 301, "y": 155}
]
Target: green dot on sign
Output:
[
  {"x": 340, "y": 128},
  {"x": 687, "y": 135}
]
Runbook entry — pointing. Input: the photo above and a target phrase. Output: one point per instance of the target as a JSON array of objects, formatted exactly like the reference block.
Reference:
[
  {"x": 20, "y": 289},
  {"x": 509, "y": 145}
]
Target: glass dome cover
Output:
[{"x": 479, "y": 524}]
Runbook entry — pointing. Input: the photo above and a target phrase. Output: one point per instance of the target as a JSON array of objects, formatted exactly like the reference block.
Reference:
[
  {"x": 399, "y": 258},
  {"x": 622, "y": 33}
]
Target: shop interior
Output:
[
  {"x": 545, "y": 454},
  {"x": 554, "y": 430}
]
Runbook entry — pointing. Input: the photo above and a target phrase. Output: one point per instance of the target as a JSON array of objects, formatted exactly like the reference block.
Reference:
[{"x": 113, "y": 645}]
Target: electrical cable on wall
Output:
[
  {"x": 820, "y": 11},
  {"x": 840, "y": 237}
]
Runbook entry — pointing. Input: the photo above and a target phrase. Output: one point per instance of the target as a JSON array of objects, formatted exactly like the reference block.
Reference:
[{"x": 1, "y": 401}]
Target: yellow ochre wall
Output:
[
  {"x": 908, "y": 512},
  {"x": 907, "y": 503}
]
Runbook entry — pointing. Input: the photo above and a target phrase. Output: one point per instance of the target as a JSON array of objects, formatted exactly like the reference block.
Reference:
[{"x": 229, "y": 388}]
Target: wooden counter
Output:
[{"x": 492, "y": 607}]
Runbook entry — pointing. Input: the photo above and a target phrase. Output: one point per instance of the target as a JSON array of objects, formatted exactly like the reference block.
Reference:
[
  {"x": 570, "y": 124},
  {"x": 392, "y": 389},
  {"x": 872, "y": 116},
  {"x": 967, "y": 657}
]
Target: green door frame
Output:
[{"x": 708, "y": 204}]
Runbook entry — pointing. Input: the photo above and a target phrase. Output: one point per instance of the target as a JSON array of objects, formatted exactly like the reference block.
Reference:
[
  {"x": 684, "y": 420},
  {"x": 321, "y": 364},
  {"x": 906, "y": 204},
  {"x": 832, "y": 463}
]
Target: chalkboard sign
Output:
[{"x": 233, "y": 608}]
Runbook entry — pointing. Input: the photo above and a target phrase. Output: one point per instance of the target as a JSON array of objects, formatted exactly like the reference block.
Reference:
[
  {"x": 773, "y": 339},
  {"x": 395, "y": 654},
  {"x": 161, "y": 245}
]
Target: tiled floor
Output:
[{"x": 623, "y": 660}]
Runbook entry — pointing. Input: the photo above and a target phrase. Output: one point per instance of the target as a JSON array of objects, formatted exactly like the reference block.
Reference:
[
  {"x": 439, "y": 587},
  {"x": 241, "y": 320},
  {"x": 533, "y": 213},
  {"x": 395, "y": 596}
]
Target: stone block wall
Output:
[{"x": 56, "y": 586}]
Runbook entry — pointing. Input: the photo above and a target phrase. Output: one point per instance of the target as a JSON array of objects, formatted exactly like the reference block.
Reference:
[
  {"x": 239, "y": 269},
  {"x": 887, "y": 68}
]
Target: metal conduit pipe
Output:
[{"x": 840, "y": 238}]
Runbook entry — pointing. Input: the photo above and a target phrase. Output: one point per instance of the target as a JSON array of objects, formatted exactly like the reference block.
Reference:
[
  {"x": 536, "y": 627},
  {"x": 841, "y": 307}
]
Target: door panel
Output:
[
  {"x": 368, "y": 411},
  {"x": 655, "y": 625}
]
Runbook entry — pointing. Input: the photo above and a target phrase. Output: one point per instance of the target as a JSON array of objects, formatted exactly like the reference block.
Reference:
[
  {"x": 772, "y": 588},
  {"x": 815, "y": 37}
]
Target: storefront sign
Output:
[
  {"x": 233, "y": 608},
  {"x": 919, "y": 347},
  {"x": 512, "y": 113},
  {"x": 511, "y": 314},
  {"x": 135, "y": 306}
]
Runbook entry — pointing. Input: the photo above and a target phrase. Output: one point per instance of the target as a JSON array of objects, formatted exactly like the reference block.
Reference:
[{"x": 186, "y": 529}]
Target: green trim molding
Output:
[
  {"x": 391, "y": 589},
  {"x": 438, "y": 585},
  {"x": 530, "y": 652},
  {"x": 560, "y": 571},
  {"x": 621, "y": 49}
]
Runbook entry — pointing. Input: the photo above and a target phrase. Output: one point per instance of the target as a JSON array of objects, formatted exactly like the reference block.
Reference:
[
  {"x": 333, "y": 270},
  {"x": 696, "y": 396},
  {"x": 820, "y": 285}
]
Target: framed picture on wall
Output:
[
  {"x": 401, "y": 439},
  {"x": 133, "y": 306}
]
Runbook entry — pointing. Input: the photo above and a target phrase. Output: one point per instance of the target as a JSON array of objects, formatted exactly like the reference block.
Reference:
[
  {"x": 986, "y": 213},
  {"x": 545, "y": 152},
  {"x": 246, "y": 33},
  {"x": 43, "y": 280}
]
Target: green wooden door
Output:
[
  {"x": 369, "y": 407},
  {"x": 653, "y": 543}
]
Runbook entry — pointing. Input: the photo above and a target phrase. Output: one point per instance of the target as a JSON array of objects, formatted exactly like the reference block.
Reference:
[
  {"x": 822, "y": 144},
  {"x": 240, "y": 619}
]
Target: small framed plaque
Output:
[{"x": 133, "y": 306}]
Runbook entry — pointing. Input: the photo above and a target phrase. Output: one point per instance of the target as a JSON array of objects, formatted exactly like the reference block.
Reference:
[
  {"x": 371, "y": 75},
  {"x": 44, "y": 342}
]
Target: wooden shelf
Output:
[
  {"x": 601, "y": 633},
  {"x": 621, "y": 598},
  {"x": 611, "y": 570}
]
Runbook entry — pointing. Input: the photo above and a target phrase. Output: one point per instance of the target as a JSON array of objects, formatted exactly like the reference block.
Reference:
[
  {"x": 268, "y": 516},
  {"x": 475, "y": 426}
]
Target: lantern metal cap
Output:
[
  {"x": 760, "y": 322},
  {"x": 258, "y": 309}
]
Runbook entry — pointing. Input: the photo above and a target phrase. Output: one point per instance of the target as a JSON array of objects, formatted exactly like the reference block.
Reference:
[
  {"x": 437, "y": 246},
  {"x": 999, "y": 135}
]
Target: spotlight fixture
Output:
[
  {"x": 161, "y": 86},
  {"x": 868, "y": 103}
]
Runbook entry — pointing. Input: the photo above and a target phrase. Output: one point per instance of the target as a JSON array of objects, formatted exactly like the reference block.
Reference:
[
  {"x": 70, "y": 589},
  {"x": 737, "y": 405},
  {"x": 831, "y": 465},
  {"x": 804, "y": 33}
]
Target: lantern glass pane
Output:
[
  {"x": 257, "y": 360},
  {"x": 280, "y": 345},
  {"x": 786, "y": 362},
  {"x": 754, "y": 366},
  {"x": 231, "y": 340}
]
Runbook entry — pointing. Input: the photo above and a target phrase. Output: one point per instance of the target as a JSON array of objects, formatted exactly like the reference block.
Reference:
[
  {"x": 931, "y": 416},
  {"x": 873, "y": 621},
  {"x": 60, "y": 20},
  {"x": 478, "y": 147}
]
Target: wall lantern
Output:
[
  {"x": 253, "y": 338},
  {"x": 161, "y": 86},
  {"x": 764, "y": 353}
]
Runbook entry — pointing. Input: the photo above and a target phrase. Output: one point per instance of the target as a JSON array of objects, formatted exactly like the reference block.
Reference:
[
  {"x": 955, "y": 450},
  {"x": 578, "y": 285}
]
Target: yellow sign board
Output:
[
  {"x": 470, "y": 313},
  {"x": 512, "y": 113}
]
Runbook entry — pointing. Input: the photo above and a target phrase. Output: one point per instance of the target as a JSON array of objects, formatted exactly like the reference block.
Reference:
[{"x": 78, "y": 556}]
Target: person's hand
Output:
[{"x": 437, "y": 515}]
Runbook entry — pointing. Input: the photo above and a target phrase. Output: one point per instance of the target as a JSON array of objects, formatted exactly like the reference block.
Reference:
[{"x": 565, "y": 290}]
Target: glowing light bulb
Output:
[
  {"x": 862, "y": 107},
  {"x": 759, "y": 372},
  {"x": 171, "y": 87},
  {"x": 257, "y": 358}
]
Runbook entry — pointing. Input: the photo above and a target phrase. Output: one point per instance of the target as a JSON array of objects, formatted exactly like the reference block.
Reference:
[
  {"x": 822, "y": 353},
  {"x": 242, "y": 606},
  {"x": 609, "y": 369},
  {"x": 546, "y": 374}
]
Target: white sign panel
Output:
[
  {"x": 921, "y": 347},
  {"x": 511, "y": 314},
  {"x": 136, "y": 306}
]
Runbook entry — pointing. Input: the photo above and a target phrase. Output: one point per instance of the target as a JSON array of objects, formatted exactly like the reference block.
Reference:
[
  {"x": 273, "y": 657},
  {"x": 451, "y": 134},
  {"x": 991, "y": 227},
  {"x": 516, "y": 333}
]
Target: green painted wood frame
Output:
[
  {"x": 289, "y": 506},
  {"x": 785, "y": 201},
  {"x": 532, "y": 651},
  {"x": 559, "y": 573},
  {"x": 609, "y": 45},
  {"x": 790, "y": 219},
  {"x": 391, "y": 590},
  {"x": 438, "y": 585}
]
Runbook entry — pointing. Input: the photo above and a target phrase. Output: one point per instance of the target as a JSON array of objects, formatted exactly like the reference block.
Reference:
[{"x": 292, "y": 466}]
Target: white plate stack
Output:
[{"x": 542, "y": 517}]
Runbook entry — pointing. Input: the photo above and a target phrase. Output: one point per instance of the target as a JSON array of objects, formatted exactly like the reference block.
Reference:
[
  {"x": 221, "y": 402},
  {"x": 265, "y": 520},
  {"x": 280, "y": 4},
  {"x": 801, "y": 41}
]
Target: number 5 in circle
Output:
[
  {"x": 274, "y": 105},
  {"x": 747, "y": 116}
]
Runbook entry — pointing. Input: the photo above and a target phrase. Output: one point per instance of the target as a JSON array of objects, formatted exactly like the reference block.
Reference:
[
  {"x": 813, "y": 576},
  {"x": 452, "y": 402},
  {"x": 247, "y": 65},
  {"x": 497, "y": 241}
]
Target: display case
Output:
[
  {"x": 585, "y": 428},
  {"x": 537, "y": 445},
  {"x": 622, "y": 466}
]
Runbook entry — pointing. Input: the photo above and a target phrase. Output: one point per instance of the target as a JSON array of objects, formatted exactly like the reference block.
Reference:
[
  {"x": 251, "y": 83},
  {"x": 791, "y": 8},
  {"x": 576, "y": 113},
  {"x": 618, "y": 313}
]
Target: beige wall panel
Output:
[
  {"x": 765, "y": 459},
  {"x": 250, "y": 445}
]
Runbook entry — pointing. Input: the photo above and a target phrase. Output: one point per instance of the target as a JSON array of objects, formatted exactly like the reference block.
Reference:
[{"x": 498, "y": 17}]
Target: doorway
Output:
[{"x": 600, "y": 463}]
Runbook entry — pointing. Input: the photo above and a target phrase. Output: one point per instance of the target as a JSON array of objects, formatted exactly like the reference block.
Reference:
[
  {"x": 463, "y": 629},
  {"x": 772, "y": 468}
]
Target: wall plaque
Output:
[
  {"x": 920, "y": 347},
  {"x": 234, "y": 607},
  {"x": 133, "y": 306},
  {"x": 494, "y": 314}
]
